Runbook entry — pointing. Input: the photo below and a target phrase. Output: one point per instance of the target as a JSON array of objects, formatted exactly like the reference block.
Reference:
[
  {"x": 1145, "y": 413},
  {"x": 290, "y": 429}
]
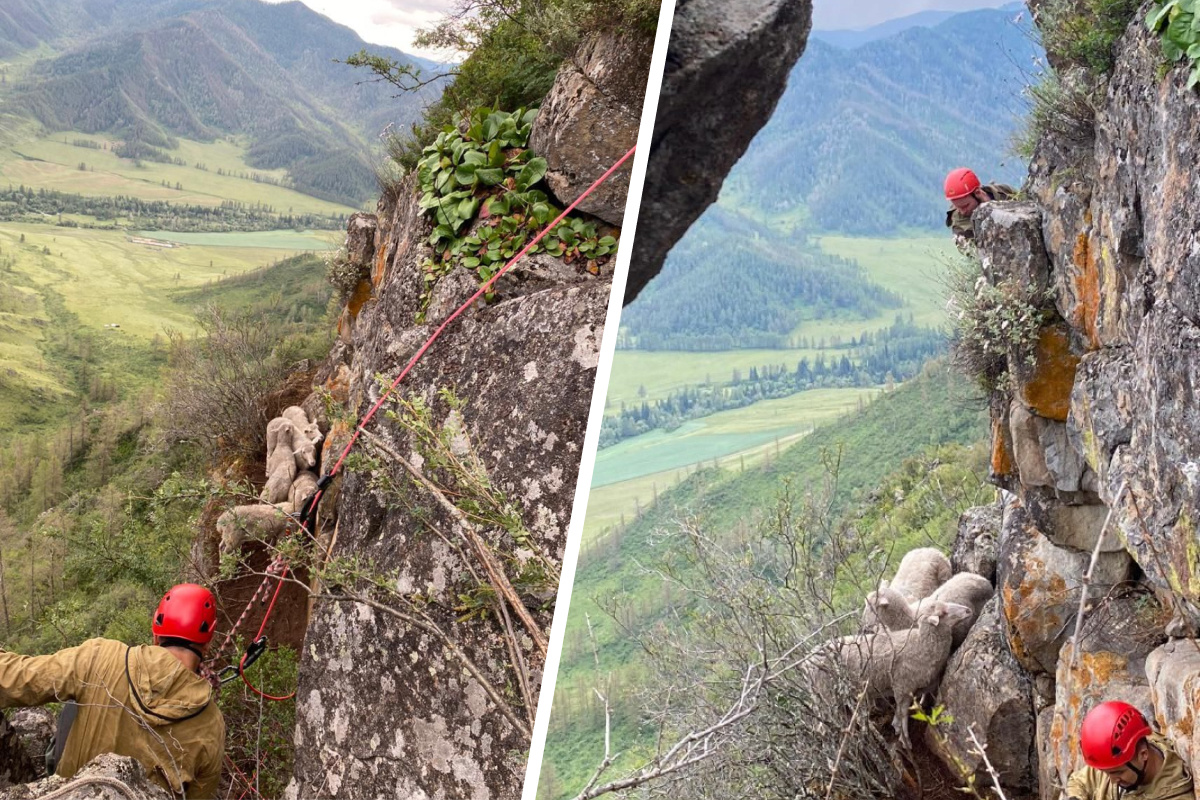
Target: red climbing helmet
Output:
[
  {"x": 960, "y": 183},
  {"x": 1110, "y": 733},
  {"x": 187, "y": 612}
]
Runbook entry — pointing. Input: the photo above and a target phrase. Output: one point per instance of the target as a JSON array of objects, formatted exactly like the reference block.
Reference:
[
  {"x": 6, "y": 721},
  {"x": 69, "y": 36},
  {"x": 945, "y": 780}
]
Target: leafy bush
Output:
[
  {"x": 479, "y": 168},
  {"x": 1178, "y": 22},
  {"x": 995, "y": 326}
]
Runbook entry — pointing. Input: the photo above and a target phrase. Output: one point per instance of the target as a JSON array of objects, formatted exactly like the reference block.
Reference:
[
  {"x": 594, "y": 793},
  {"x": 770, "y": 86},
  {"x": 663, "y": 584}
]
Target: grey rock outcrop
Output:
[
  {"x": 985, "y": 689},
  {"x": 977, "y": 541},
  {"x": 106, "y": 777},
  {"x": 594, "y": 107},
  {"x": 727, "y": 65},
  {"x": 16, "y": 766},
  {"x": 35, "y": 727},
  {"x": 1173, "y": 671},
  {"x": 385, "y": 707},
  {"x": 1103, "y": 429}
]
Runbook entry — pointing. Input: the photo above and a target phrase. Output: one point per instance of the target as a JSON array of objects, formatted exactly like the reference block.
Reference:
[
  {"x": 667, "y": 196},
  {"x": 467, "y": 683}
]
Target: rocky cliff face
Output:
[
  {"x": 727, "y": 66},
  {"x": 1097, "y": 443},
  {"x": 430, "y": 692}
]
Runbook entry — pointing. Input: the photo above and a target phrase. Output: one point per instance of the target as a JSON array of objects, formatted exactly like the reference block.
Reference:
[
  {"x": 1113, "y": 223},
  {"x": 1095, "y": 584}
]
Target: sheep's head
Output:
[{"x": 938, "y": 613}]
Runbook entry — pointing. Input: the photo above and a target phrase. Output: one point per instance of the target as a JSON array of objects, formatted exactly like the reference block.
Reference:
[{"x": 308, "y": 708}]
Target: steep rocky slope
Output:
[
  {"x": 1096, "y": 438},
  {"x": 422, "y": 694}
]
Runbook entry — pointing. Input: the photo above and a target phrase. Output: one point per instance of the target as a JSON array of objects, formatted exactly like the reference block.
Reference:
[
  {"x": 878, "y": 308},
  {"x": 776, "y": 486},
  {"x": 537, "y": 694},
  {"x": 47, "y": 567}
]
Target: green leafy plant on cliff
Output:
[
  {"x": 1085, "y": 32},
  {"x": 995, "y": 326},
  {"x": 1178, "y": 23},
  {"x": 480, "y": 170}
]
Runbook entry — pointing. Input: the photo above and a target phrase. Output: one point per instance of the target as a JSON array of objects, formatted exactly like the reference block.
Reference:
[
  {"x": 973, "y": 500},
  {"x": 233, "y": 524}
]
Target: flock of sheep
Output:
[{"x": 910, "y": 627}]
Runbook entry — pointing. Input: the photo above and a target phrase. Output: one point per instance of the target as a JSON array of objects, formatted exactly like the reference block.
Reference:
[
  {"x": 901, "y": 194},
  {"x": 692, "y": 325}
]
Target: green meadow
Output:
[
  {"x": 630, "y": 474},
  {"x": 54, "y": 162},
  {"x": 911, "y": 267},
  {"x": 105, "y": 278}
]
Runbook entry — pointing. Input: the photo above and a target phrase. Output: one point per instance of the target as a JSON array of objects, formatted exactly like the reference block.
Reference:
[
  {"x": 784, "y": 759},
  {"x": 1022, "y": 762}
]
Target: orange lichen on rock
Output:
[
  {"x": 380, "y": 268},
  {"x": 1047, "y": 392},
  {"x": 1002, "y": 458},
  {"x": 362, "y": 293},
  {"x": 1086, "y": 279}
]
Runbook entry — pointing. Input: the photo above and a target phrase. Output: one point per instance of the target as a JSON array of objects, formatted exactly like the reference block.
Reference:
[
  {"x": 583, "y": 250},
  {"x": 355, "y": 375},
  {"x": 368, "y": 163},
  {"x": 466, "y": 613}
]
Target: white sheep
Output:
[
  {"x": 920, "y": 572},
  {"x": 903, "y": 662},
  {"x": 967, "y": 589}
]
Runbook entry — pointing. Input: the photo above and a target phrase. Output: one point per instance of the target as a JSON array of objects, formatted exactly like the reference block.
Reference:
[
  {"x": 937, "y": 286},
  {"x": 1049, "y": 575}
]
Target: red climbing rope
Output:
[{"x": 279, "y": 563}]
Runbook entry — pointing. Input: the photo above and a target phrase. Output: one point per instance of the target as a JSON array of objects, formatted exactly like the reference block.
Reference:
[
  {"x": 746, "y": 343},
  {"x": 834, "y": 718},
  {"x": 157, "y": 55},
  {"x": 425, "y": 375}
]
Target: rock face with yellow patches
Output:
[
  {"x": 1039, "y": 585},
  {"x": 1101, "y": 435},
  {"x": 1046, "y": 388},
  {"x": 985, "y": 689}
]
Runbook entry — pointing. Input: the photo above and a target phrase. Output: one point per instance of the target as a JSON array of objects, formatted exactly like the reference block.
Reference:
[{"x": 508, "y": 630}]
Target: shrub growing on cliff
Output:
[
  {"x": 995, "y": 326},
  {"x": 220, "y": 382},
  {"x": 480, "y": 169},
  {"x": 1065, "y": 109},
  {"x": 1084, "y": 32}
]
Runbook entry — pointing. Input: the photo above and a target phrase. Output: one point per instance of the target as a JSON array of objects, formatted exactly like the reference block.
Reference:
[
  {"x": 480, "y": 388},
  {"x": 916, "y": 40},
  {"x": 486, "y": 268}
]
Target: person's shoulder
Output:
[{"x": 1002, "y": 191}]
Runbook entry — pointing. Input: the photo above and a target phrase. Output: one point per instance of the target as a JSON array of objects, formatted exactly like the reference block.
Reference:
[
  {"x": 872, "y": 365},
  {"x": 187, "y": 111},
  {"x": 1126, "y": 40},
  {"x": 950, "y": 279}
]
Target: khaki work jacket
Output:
[
  {"x": 133, "y": 701},
  {"x": 1172, "y": 782}
]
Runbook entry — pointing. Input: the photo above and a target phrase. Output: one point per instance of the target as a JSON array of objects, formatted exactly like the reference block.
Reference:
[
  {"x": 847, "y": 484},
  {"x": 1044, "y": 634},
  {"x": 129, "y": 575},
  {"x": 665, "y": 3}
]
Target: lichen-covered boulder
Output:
[
  {"x": 1010, "y": 245},
  {"x": 978, "y": 538},
  {"x": 592, "y": 111},
  {"x": 15, "y": 764},
  {"x": 706, "y": 117},
  {"x": 1039, "y": 585},
  {"x": 985, "y": 689},
  {"x": 1173, "y": 671},
  {"x": 105, "y": 777},
  {"x": 360, "y": 241},
  {"x": 35, "y": 728}
]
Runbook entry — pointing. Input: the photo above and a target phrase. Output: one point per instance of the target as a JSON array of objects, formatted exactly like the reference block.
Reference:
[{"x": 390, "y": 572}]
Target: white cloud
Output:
[
  {"x": 392, "y": 23},
  {"x": 857, "y": 14}
]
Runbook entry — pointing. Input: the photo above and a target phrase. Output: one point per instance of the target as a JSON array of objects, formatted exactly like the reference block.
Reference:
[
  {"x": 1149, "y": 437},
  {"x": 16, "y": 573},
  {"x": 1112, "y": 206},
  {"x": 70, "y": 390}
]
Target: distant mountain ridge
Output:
[
  {"x": 205, "y": 69},
  {"x": 861, "y": 139},
  {"x": 849, "y": 38}
]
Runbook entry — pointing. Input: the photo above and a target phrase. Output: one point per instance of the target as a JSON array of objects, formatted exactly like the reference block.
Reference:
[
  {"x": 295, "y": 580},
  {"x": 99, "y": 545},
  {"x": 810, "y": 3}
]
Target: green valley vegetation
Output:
[
  {"x": 884, "y": 358},
  {"x": 898, "y": 473},
  {"x": 25, "y": 204},
  {"x": 771, "y": 282}
]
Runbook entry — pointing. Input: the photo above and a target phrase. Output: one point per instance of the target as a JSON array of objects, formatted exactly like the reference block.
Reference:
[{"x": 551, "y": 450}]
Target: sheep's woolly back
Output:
[
  {"x": 969, "y": 590},
  {"x": 920, "y": 572}
]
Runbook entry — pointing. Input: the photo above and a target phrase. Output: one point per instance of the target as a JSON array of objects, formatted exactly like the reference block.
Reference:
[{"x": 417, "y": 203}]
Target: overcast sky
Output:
[{"x": 394, "y": 22}]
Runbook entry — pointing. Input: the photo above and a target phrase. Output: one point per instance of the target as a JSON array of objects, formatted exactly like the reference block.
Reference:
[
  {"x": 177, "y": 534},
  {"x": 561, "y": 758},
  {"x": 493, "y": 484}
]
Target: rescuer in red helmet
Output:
[
  {"x": 966, "y": 194},
  {"x": 1125, "y": 759},
  {"x": 147, "y": 702}
]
